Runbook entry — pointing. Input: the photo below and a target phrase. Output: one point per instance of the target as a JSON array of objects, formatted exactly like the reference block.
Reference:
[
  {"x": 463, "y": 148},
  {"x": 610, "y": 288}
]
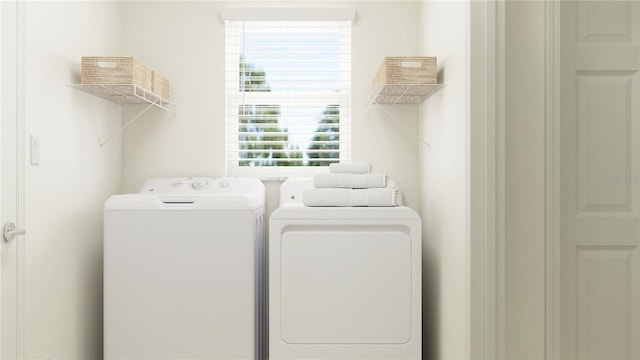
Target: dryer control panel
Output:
[{"x": 292, "y": 189}]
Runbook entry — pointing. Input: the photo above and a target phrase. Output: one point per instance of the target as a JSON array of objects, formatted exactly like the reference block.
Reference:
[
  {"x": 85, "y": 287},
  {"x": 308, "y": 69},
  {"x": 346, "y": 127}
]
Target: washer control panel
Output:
[{"x": 188, "y": 185}]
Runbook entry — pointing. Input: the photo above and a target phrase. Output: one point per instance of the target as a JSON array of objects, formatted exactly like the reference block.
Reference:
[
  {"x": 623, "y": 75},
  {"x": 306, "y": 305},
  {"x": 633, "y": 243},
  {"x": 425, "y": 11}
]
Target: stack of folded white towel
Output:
[{"x": 352, "y": 185}]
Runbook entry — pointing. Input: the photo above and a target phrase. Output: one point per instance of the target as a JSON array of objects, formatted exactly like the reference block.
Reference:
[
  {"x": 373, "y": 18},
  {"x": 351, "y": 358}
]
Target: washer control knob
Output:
[
  {"x": 176, "y": 184},
  {"x": 223, "y": 184},
  {"x": 198, "y": 184}
]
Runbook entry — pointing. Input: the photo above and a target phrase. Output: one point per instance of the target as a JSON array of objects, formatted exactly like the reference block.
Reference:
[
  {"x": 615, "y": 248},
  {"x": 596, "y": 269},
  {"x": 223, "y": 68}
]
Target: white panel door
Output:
[{"x": 600, "y": 180}]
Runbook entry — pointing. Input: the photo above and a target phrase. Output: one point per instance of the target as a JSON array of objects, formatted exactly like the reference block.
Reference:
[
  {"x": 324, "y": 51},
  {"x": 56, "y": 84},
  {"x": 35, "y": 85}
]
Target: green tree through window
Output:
[
  {"x": 319, "y": 147},
  {"x": 262, "y": 141}
]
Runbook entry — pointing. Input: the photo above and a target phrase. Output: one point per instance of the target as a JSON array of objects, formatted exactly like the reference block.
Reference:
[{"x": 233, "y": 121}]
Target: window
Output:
[{"x": 288, "y": 95}]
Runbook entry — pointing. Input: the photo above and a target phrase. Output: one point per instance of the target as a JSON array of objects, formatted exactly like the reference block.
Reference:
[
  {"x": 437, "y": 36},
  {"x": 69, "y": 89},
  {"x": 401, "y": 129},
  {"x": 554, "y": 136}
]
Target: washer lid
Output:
[
  {"x": 193, "y": 202},
  {"x": 193, "y": 194}
]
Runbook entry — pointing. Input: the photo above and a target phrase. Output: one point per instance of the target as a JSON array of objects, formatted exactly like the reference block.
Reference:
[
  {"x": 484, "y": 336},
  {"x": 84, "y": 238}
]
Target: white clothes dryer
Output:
[
  {"x": 184, "y": 271},
  {"x": 344, "y": 282}
]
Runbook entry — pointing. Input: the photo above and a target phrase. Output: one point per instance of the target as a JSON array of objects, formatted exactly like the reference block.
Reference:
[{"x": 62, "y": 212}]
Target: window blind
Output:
[{"x": 288, "y": 96}]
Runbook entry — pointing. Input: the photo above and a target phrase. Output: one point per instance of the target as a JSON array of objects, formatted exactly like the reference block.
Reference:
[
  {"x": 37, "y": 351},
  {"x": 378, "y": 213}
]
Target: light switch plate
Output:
[{"x": 35, "y": 150}]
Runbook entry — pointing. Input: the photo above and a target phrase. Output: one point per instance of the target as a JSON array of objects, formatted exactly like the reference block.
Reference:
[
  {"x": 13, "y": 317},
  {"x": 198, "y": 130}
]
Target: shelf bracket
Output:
[
  {"x": 373, "y": 95},
  {"x": 405, "y": 127},
  {"x": 125, "y": 94},
  {"x": 102, "y": 143}
]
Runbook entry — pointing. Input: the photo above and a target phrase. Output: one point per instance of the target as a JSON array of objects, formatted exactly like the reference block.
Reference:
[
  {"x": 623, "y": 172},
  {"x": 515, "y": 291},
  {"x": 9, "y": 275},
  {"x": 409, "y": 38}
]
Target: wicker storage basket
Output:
[
  {"x": 407, "y": 70},
  {"x": 115, "y": 70},
  {"x": 159, "y": 85}
]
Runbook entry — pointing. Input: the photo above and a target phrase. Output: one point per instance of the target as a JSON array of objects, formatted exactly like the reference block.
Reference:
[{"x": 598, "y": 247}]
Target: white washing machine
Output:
[
  {"x": 344, "y": 283},
  {"x": 184, "y": 271}
]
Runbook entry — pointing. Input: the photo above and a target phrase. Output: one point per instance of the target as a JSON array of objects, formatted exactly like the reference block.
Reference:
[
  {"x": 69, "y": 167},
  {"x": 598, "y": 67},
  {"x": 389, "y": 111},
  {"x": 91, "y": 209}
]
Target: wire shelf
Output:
[
  {"x": 125, "y": 94},
  {"x": 401, "y": 93}
]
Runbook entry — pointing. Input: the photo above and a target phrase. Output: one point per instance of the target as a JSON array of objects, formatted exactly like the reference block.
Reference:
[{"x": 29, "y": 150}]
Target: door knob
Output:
[{"x": 9, "y": 231}]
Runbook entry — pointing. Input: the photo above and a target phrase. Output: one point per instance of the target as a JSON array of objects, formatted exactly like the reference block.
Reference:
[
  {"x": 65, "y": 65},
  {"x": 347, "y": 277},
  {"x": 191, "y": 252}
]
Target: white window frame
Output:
[{"x": 234, "y": 98}]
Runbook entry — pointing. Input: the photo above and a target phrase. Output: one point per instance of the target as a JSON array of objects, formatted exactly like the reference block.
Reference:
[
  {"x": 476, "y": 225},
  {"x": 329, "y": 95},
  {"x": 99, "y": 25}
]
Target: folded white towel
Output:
[
  {"x": 389, "y": 196},
  {"x": 353, "y": 168},
  {"x": 350, "y": 181}
]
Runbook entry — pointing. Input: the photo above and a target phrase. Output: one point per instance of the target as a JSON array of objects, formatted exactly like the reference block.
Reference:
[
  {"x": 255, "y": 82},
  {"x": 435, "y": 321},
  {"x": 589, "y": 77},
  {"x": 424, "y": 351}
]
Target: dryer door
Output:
[{"x": 346, "y": 287}]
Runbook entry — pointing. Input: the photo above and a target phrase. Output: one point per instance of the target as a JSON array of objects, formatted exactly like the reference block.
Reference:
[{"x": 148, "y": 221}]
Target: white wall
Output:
[
  {"x": 66, "y": 192},
  {"x": 185, "y": 42},
  {"x": 443, "y": 118}
]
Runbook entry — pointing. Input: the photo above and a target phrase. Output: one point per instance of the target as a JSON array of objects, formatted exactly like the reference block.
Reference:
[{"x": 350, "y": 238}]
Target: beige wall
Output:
[
  {"x": 185, "y": 42},
  {"x": 524, "y": 180},
  {"x": 66, "y": 192},
  {"x": 443, "y": 117}
]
